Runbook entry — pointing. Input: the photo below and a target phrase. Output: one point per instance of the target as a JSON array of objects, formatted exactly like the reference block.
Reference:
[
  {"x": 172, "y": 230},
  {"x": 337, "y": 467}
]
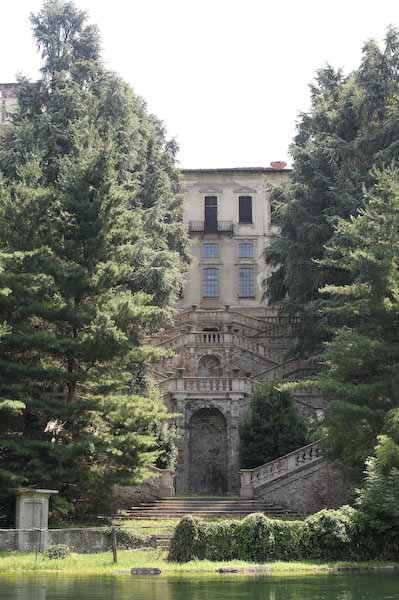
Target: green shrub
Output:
[
  {"x": 221, "y": 539},
  {"x": 256, "y": 538},
  {"x": 378, "y": 500},
  {"x": 185, "y": 544},
  {"x": 329, "y": 534},
  {"x": 287, "y": 540},
  {"x": 59, "y": 551}
]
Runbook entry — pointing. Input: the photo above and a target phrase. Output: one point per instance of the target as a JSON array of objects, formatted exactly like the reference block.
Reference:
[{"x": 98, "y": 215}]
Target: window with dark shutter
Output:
[
  {"x": 211, "y": 214},
  {"x": 245, "y": 209}
]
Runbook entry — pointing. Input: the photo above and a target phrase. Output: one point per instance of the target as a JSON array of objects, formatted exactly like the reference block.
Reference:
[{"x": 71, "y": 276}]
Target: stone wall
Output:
[
  {"x": 124, "y": 496},
  {"x": 308, "y": 490},
  {"x": 81, "y": 540}
]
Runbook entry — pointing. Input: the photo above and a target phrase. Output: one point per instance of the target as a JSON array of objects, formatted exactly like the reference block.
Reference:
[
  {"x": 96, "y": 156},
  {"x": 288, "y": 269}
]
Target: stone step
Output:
[
  {"x": 203, "y": 504},
  {"x": 172, "y": 509},
  {"x": 179, "y": 513},
  {"x": 223, "y": 507},
  {"x": 152, "y": 514}
]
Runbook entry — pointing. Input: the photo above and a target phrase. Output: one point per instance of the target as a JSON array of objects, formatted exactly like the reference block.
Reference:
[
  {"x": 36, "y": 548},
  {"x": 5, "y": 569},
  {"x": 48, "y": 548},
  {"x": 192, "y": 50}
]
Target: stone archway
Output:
[{"x": 208, "y": 452}]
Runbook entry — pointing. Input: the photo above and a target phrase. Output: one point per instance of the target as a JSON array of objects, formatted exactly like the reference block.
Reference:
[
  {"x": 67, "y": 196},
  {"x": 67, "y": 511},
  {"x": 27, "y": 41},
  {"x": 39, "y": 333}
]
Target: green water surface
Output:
[{"x": 326, "y": 587}]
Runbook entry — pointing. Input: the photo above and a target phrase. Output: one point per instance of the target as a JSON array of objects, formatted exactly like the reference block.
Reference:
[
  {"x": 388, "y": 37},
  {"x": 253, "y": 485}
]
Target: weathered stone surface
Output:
[
  {"x": 316, "y": 486},
  {"x": 208, "y": 452}
]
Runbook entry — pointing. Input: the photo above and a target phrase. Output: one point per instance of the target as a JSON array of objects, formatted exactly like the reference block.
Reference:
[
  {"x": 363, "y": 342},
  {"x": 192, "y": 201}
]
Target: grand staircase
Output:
[{"x": 210, "y": 508}]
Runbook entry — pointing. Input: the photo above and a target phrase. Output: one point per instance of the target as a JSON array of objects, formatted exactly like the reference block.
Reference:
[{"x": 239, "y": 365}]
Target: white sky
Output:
[{"x": 227, "y": 77}]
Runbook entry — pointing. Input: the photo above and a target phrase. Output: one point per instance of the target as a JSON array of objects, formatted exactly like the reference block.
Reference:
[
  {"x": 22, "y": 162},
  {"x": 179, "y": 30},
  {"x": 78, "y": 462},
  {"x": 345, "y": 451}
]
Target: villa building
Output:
[{"x": 226, "y": 339}]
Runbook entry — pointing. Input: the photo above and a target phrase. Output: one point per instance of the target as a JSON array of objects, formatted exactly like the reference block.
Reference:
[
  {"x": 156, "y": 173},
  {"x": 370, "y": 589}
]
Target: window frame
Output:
[
  {"x": 248, "y": 243},
  {"x": 246, "y": 289},
  {"x": 206, "y": 256},
  {"x": 210, "y": 285}
]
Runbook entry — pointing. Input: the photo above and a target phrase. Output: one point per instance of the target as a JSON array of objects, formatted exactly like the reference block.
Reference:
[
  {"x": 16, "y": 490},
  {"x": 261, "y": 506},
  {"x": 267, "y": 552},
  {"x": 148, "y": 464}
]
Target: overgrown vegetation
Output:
[
  {"x": 273, "y": 427},
  {"x": 343, "y": 534}
]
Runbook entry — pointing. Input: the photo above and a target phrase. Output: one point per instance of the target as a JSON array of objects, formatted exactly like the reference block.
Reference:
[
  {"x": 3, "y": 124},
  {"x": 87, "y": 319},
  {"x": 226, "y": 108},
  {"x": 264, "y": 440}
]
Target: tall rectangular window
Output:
[
  {"x": 211, "y": 214},
  {"x": 245, "y": 250},
  {"x": 245, "y": 209},
  {"x": 210, "y": 250},
  {"x": 210, "y": 282},
  {"x": 247, "y": 282}
]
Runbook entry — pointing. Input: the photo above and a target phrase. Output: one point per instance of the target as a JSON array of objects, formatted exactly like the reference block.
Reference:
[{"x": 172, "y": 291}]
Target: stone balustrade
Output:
[
  {"x": 218, "y": 338},
  {"x": 251, "y": 479},
  {"x": 270, "y": 327},
  {"x": 227, "y": 316},
  {"x": 195, "y": 385},
  {"x": 281, "y": 371}
]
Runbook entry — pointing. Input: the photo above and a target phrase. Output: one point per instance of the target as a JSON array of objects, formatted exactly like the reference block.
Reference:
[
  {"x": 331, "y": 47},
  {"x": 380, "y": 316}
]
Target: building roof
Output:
[{"x": 254, "y": 170}]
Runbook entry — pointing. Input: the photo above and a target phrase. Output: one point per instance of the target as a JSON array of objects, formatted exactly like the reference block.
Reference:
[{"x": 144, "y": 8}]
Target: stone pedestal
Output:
[{"x": 32, "y": 518}]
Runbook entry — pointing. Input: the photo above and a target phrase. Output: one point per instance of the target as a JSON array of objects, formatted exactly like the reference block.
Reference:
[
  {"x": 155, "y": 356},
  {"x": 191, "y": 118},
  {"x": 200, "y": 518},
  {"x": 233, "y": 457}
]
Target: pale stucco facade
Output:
[{"x": 227, "y": 186}]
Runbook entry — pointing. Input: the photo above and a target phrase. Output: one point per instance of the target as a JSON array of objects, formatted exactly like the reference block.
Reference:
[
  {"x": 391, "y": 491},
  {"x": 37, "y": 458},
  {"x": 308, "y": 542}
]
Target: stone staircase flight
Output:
[{"x": 211, "y": 508}]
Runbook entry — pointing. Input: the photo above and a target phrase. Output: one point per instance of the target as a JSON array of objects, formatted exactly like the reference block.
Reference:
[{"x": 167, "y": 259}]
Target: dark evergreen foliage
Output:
[
  {"x": 93, "y": 253},
  {"x": 352, "y": 126},
  {"x": 273, "y": 427},
  {"x": 361, "y": 377}
]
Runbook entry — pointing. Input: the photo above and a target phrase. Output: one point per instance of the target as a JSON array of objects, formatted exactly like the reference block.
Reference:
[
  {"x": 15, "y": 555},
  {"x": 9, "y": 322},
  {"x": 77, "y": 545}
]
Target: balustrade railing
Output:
[
  {"x": 207, "y": 384},
  {"x": 203, "y": 227},
  {"x": 216, "y": 338},
  {"x": 263, "y": 323},
  {"x": 279, "y": 371},
  {"x": 255, "y": 478}
]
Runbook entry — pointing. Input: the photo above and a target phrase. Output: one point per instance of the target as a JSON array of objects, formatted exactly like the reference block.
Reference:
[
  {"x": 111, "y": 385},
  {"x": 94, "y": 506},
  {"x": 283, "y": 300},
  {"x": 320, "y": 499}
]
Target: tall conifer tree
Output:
[
  {"x": 361, "y": 378},
  {"x": 352, "y": 126},
  {"x": 90, "y": 226}
]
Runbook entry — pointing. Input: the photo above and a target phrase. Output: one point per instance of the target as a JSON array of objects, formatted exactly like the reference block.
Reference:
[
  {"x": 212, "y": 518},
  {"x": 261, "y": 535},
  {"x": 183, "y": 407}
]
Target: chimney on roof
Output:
[{"x": 278, "y": 164}]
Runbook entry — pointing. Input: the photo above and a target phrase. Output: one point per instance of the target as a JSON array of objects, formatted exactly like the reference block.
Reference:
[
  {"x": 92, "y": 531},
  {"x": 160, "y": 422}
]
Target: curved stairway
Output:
[{"x": 212, "y": 508}]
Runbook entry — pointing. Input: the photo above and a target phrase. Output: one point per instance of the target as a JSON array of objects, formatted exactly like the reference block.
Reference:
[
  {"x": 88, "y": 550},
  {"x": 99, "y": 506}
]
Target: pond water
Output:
[{"x": 327, "y": 587}]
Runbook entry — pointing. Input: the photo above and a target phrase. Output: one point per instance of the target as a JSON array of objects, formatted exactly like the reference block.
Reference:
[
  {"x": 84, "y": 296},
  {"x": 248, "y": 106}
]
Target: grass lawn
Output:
[{"x": 101, "y": 564}]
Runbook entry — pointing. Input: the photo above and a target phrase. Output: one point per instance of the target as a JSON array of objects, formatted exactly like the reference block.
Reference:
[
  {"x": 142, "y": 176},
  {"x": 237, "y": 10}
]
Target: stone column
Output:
[
  {"x": 234, "y": 450},
  {"x": 182, "y": 445},
  {"x": 246, "y": 489},
  {"x": 166, "y": 484},
  {"x": 32, "y": 517}
]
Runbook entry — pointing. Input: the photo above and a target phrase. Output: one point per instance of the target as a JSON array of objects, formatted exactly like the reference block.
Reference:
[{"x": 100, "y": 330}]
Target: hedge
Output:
[{"x": 326, "y": 535}]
